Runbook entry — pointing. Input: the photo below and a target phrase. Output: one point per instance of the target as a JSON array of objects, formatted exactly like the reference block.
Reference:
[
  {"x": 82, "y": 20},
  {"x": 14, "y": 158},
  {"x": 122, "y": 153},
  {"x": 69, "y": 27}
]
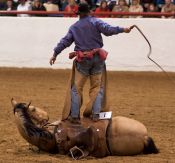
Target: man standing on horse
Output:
[{"x": 89, "y": 62}]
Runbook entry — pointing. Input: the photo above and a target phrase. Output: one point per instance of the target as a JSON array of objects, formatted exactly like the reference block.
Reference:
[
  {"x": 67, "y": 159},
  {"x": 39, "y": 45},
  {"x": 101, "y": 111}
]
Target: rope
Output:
[{"x": 149, "y": 53}]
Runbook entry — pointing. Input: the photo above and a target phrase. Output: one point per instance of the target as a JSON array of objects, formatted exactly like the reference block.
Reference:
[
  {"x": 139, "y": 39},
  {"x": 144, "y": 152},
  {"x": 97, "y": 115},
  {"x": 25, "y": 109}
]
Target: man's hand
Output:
[
  {"x": 127, "y": 30},
  {"x": 52, "y": 60}
]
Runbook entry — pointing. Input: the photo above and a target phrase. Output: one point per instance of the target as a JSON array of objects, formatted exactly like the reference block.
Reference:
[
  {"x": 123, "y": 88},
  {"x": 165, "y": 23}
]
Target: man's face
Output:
[
  {"x": 9, "y": 3},
  {"x": 134, "y": 2}
]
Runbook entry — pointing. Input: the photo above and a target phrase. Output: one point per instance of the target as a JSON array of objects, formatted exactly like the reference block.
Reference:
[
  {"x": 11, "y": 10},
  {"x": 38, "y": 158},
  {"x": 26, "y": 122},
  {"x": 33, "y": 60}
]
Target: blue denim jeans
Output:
[
  {"x": 91, "y": 66},
  {"x": 75, "y": 103},
  {"x": 96, "y": 108},
  {"x": 87, "y": 67}
]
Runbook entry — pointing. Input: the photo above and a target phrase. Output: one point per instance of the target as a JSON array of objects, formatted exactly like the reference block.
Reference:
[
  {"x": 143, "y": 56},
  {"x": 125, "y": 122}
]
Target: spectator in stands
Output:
[
  {"x": 111, "y": 4},
  {"x": 5, "y": 3},
  {"x": 2, "y": 4},
  {"x": 63, "y": 4},
  {"x": 159, "y": 4},
  {"x": 16, "y": 3},
  {"x": 71, "y": 7},
  {"x": 24, "y": 6},
  {"x": 135, "y": 7},
  {"x": 58, "y": 3},
  {"x": 38, "y": 6},
  {"x": 152, "y": 8},
  {"x": 9, "y": 5},
  {"x": 50, "y": 6},
  {"x": 102, "y": 8},
  {"x": 146, "y": 3},
  {"x": 169, "y": 7},
  {"x": 121, "y": 7}
]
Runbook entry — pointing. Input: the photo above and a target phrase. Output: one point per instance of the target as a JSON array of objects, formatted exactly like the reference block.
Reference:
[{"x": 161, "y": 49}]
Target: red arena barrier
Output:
[{"x": 100, "y": 14}]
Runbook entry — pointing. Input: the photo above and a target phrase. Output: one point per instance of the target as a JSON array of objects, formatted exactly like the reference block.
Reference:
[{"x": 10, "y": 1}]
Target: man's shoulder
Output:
[
  {"x": 95, "y": 20},
  {"x": 73, "y": 25},
  {"x": 89, "y": 19}
]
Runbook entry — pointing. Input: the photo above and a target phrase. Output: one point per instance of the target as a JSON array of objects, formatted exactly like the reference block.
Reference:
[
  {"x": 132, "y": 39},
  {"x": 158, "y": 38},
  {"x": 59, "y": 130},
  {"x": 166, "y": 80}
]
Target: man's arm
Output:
[
  {"x": 109, "y": 30},
  {"x": 64, "y": 43}
]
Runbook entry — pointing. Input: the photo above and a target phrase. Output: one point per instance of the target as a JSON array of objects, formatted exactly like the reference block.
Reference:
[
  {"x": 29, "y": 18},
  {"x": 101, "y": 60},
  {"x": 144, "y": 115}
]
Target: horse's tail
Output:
[{"x": 150, "y": 147}]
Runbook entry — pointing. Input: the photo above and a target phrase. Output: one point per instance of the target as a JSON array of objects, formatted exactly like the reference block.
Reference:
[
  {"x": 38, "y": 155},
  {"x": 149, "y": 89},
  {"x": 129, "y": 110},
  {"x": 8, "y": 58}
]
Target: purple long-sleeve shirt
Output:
[{"x": 86, "y": 34}]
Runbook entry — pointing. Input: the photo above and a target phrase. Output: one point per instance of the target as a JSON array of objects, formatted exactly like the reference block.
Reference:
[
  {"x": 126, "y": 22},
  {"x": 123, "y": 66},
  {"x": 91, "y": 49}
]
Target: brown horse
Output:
[{"x": 117, "y": 136}]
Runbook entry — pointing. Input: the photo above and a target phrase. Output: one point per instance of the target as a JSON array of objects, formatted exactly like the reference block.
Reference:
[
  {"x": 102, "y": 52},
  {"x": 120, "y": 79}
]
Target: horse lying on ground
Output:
[{"x": 117, "y": 136}]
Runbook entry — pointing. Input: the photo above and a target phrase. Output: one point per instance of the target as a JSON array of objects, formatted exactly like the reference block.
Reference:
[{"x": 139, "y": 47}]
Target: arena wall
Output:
[{"x": 29, "y": 42}]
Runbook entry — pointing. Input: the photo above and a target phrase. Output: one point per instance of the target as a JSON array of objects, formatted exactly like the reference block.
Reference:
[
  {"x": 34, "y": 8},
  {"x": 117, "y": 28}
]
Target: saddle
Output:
[
  {"x": 81, "y": 140},
  {"x": 69, "y": 135}
]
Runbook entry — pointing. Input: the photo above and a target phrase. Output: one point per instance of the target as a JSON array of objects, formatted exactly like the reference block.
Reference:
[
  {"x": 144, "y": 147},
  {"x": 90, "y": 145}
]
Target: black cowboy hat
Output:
[{"x": 83, "y": 8}]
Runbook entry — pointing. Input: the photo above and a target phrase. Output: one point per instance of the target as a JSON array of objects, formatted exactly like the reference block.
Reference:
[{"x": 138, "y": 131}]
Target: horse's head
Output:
[
  {"x": 37, "y": 115},
  {"x": 22, "y": 106}
]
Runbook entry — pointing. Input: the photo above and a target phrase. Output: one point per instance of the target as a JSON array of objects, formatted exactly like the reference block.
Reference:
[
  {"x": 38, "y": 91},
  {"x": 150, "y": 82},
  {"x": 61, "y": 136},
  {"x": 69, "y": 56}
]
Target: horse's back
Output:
[{"x": 126, "y": 136}]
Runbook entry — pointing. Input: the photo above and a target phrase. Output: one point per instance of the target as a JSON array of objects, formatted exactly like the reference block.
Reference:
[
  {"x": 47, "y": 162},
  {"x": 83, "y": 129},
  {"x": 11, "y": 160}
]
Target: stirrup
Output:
[{"x": 77, "y": 153}]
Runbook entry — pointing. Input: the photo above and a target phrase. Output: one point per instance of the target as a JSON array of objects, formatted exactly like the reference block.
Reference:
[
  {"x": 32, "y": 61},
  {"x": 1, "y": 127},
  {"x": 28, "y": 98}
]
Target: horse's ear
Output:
[
  {"x": 29, "y": 104},
  {"x": 13, "y": 102}
]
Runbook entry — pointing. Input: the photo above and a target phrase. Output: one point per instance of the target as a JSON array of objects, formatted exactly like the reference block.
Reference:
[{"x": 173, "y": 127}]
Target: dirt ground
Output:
[{"x": 145, "y": 96}]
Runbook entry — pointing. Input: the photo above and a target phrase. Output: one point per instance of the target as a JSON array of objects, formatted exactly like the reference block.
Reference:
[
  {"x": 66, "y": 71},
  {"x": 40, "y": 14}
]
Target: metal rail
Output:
[{"x": 102, "y": 14}]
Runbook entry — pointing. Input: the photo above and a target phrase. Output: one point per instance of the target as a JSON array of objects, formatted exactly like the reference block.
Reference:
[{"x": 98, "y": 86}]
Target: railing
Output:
[{"x": 101, "y": 14}]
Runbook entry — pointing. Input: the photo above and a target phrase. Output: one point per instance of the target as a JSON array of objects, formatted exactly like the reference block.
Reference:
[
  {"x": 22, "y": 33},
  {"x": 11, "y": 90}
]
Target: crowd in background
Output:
[{"x": 167, "y": 6}]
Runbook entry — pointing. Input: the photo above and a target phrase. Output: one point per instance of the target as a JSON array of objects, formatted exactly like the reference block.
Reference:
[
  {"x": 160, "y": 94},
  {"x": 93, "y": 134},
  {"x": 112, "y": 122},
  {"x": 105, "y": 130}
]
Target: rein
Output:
[{"x": 149, "y": 53}]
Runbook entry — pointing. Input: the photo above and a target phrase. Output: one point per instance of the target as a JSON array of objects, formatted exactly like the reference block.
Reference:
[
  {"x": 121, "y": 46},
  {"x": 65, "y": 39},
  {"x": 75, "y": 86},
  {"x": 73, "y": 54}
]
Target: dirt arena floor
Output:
[{"x": 145, "y": 96}]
